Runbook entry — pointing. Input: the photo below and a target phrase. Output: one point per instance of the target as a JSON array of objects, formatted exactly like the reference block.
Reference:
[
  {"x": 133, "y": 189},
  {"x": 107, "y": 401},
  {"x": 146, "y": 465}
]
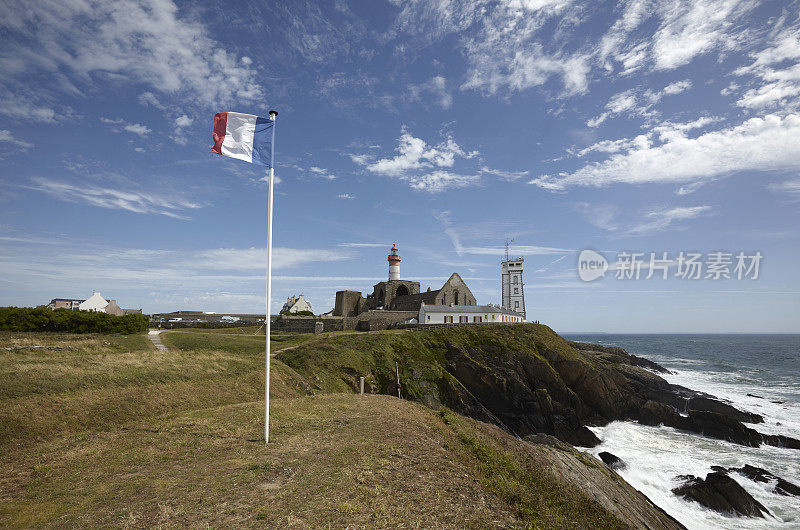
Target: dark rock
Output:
[
  {"x": 713, "y": 405},
  {"x": 755, "y": 396},
  {"x": 779, "y": 440},
  {"x": 530, "y": 384},
  {"x": 757, "y": 474},
  {"x": 720, "y": 492},
  {"x": 719, "y": 469},
  {"x": 647, "y": 363},
  {"x": 654, "y": 413},
  {"x": 611, "y": 460},
  {"x": 718, "y": 426}
]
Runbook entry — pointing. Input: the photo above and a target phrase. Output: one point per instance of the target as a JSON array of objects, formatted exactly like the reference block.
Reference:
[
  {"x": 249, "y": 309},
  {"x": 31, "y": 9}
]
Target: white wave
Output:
[
  {"x": 779, "y": 418},
  {"x": 656, "y": 455}
]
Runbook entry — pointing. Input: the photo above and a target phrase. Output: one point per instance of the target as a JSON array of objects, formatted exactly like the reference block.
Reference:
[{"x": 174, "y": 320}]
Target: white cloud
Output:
[
  {"x": 638, "y": 102},
  {"x": 440, "y": 180},
  {"x": 345, "y": 196},
  {"x": 183, "y": 121},
  {"x": 137, "y": 128},
  {"x": 255, "y": 258},
  {"x": 513, "y": 45},
  {"x": 690, "y": 29},
  {"x": 363, "y": 245},
  {"x": 178, "y": 133},
  {"x": 116, "y": 199},
  {"x": 436, "y": 87},
  {"x": 148, "y": 98},
  {"x": 508, "y": 176},
  {"x": 143, "y": 42},
  {"x": 778, "y": 69},
  {"x": 322, "y": 173},
  {"x": 414, "y": 154},
  {"x": 788, "y": 187},
  {"x": 6, "y": 136},
  {"x": 677, "y": 87},
  {"x": 518, "y": 249},
  {"x": 22, "y": 109},
  {"x": 759, "y": 144}
]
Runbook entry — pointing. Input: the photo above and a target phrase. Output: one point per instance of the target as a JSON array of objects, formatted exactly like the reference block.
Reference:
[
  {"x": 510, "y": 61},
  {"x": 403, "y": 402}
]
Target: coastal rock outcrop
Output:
[
  {"x": 611, "y": 460},
  {"x": 720, "y": 492},
  {"x": 758, "y": 474},
  {"x": 544, "y": 384}
]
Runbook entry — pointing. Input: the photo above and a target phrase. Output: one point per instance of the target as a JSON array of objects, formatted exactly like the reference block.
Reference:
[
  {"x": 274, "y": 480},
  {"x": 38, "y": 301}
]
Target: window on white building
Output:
[
  {"x": 516, "y": 290},
  {"x": 516, "y": 304},
  {"x": 516, "y": 279},
  {"x": 463, "y": 318}
]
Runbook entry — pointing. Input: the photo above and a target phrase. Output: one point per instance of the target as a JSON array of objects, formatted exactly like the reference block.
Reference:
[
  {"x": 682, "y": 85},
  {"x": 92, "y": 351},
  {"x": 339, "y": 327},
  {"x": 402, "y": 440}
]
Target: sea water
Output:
[{"x": 734, "y": 368}]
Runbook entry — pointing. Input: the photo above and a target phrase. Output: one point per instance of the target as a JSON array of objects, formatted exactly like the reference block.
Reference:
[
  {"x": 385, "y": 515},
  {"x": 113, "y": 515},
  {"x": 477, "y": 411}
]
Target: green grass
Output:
[{"x": 114, "y": 433}]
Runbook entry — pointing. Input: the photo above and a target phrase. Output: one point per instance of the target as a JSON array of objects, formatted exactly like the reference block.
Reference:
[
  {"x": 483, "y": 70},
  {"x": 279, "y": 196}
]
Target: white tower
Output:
[
  {"x": 512, "y": 287},
  {"x": 394, "y": 264}
]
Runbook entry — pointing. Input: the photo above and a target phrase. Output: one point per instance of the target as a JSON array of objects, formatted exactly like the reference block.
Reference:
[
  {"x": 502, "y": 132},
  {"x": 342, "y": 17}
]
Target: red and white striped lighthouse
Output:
[{"x": 394, "y": 264}]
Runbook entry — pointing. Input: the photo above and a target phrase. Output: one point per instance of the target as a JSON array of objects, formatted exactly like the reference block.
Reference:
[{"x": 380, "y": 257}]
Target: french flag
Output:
[{"x": 243, "y": 136}]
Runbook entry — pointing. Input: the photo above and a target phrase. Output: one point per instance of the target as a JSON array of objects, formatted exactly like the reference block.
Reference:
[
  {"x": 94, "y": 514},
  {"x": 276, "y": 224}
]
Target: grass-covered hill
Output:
[{"x": 104, "y": 430}]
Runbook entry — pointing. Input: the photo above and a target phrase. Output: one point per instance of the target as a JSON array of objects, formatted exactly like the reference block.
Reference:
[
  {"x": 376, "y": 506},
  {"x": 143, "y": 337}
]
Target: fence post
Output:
[{"x": 361, "y": 384}]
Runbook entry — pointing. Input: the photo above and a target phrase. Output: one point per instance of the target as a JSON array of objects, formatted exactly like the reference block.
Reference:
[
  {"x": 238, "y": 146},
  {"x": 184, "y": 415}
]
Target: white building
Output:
[
  {"x": 468, "y": 314},
  {"x": 94, "y": 303},
  {"x": 295, "y": 304},
  {"x": 512, "y": 286}
]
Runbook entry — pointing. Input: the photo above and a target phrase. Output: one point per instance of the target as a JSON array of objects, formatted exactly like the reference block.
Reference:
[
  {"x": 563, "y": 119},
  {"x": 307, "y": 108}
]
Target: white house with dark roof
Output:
[
  {"x": 94, "y": 303},
  {"x": 295, "y": 304},
  {"x": 468, "y": 314}
]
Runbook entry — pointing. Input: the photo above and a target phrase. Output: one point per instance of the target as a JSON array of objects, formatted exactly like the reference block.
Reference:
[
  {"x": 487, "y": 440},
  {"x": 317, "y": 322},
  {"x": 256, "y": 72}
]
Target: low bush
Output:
[{"x": 69, "y": 321}]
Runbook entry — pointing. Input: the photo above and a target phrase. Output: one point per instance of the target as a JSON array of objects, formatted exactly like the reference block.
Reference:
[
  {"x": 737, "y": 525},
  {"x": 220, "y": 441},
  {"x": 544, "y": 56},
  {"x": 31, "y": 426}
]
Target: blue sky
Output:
[{"x": 446, "y": 126}]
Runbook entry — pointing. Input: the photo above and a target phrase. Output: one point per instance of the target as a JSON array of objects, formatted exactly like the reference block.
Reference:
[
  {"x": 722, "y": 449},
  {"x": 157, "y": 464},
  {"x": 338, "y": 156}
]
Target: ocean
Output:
[{"x": 736, "y": 369}]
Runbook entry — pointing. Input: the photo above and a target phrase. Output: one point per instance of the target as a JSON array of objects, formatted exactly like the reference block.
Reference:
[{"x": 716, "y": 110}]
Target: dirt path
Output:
[{"x": 153, "y": 335}]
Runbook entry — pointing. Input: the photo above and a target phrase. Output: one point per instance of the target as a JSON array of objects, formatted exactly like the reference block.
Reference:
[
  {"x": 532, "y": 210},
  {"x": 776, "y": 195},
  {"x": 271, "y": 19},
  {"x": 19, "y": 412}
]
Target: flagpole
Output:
[{"x": 267, "y": 323}]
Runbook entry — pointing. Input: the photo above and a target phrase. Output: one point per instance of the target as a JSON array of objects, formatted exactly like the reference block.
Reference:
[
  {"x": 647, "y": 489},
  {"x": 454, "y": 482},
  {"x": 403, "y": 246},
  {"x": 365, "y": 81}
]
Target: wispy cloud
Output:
[
  {"x": 321, "y": 173},
  {"x": 435, "y": 87},
  {"x": 6, "y": 136},
  {"x": 663, "y": 218},
  {"x": 116, "y": 199},
  {"x": 638, "y": 102}
]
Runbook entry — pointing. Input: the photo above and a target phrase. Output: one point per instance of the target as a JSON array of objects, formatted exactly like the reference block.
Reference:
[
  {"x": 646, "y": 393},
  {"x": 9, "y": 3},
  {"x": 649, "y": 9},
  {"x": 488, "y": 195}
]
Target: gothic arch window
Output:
[
  {"x": 455, "y": 297},
  {"x": 516, "y": 279},
  {"x": 401, "y": 291}
]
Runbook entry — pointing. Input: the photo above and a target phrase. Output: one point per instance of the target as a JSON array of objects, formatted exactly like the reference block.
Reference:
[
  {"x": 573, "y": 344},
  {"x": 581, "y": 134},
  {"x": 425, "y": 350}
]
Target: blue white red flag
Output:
[{"x": 243, "y": 136}]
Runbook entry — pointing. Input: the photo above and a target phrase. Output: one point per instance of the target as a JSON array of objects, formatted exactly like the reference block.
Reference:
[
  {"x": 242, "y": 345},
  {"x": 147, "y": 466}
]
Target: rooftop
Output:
[{"x": 469, "y": 309}]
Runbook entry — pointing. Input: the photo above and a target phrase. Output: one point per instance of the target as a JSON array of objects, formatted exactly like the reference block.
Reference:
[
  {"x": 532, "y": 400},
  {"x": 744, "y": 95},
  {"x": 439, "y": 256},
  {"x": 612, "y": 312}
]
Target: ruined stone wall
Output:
[
  {"x": 306, "y": 324},
  {"x": 377, "y": 319},
  {"x": 385, "y": 292},
  {"x": 447, "y": 294},
  {"x": 348, "y": 303}
]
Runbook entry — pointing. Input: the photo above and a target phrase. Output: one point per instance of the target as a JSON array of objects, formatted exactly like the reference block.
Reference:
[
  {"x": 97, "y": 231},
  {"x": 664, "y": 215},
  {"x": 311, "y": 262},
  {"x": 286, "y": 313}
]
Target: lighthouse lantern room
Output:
[{"x": 394, "y": 264}]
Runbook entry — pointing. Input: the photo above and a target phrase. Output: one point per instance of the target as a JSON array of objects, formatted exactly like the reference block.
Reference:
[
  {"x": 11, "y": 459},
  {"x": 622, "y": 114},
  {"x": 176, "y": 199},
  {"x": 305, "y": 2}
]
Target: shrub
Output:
[{"x": 69, "y": 321}]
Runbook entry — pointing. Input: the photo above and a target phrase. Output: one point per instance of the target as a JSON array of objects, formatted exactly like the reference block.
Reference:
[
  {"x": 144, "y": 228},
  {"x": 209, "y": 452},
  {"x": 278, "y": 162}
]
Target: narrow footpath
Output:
[{"x": 154, "y": 337}]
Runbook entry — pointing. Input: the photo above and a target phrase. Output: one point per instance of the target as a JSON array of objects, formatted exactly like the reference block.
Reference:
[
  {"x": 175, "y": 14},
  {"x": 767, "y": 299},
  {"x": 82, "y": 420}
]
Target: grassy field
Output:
[{"x": 106, "y": 431}]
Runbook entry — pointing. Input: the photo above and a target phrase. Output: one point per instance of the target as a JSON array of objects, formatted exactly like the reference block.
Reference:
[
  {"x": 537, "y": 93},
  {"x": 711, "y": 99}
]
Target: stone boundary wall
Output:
[
  {"x": 455, "y": 325},
  {"x": 307, "y": 324}
]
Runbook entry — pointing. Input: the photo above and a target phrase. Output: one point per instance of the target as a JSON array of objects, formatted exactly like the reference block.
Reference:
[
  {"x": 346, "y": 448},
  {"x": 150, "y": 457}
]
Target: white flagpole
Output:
[{"x": 273, "y": 115}]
